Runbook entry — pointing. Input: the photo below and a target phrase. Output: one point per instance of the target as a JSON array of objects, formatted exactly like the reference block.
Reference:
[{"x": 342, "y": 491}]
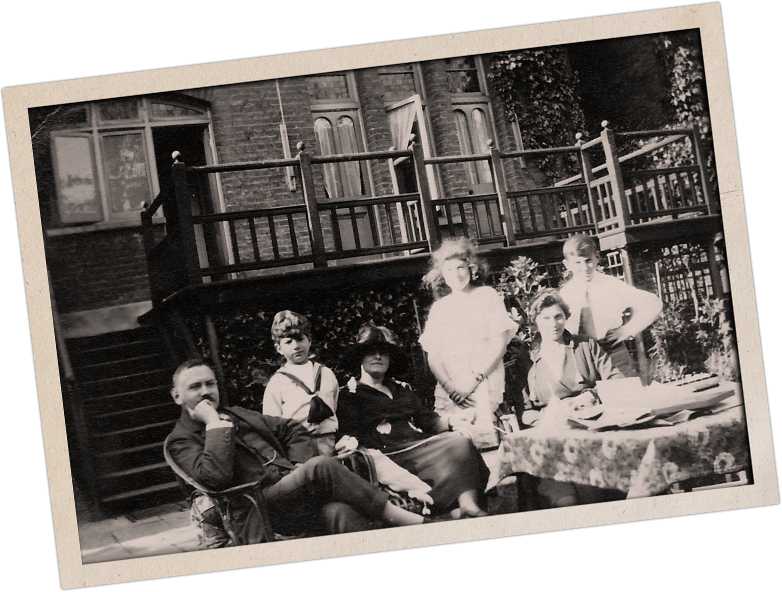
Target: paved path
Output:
[
  {"x": 161, "y": 531},
  {"x": 166, "y": 529}
]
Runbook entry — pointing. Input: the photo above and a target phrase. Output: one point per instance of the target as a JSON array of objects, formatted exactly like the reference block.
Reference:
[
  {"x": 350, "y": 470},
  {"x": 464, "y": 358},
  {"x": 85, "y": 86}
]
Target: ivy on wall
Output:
[
  {"x": 538, "y": 89},
  {"x": 682, "y": 56}
]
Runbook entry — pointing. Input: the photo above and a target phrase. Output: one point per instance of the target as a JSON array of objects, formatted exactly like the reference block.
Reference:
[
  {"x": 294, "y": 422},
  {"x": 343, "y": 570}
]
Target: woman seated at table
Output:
[
  {"x": 385, "y": 414},
  {"x": 567, "y": 367}
]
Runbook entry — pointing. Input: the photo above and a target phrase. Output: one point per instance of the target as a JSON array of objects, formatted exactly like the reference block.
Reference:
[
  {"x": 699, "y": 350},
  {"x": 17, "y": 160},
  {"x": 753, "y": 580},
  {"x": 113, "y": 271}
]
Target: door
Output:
[
  {"x": 407, "y": 123},
  {"x": 190, "y": 141}
]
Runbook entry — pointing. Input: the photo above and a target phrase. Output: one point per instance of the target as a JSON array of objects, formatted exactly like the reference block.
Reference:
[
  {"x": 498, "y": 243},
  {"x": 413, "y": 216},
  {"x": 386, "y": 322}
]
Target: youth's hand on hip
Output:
[{"x": 616, "y": 336}]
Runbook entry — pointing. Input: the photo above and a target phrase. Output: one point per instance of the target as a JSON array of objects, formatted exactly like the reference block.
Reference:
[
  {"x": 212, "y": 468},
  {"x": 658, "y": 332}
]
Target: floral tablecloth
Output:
[{"x": 641, "y": 462}]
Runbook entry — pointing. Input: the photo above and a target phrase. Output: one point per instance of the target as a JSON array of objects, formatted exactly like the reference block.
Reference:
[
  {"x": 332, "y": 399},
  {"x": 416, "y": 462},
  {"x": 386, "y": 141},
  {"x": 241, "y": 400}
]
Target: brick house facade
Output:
[{"x": 96, "y": 260}]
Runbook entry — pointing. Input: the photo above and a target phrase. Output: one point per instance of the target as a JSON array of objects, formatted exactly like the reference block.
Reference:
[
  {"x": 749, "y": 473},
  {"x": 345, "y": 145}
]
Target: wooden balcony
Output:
[{"x": 223, "y": 256}]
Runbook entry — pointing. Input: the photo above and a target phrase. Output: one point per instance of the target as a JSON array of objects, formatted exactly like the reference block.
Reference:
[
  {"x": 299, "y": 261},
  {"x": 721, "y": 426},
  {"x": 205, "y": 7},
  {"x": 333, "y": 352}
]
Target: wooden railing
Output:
[
  {"x": 625, "y": 196},
  {"x": 320, "y": 230}
]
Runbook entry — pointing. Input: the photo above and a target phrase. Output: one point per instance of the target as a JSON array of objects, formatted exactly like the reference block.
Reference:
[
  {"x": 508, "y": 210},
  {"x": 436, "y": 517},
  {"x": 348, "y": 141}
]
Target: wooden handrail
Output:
[{"x": 640, "y": 152}]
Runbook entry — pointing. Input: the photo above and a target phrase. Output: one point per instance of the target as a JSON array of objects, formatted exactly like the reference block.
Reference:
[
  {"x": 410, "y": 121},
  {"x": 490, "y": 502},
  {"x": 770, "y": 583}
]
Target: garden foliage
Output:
[{"x": 248, "y": 356}]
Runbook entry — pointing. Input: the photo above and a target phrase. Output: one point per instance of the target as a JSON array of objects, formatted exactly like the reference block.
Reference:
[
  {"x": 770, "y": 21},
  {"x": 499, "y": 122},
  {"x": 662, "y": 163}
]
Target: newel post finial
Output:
[
  {"x": 490, "y": 143},
  {"x": 176, "y": 155},
  {"x": 579, "y": 139},
  {"x": 604, "y": 123},
  {"x": 300, "y": 146}
]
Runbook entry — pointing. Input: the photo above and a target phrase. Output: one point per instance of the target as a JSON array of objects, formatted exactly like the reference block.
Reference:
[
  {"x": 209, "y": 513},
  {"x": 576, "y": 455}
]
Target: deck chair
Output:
[{"x": 213, "y": 512}]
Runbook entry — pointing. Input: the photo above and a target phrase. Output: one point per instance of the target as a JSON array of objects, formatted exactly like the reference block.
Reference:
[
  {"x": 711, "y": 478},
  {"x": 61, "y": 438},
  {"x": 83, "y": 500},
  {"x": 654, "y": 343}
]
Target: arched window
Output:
[{"x": 471, "y": 114}]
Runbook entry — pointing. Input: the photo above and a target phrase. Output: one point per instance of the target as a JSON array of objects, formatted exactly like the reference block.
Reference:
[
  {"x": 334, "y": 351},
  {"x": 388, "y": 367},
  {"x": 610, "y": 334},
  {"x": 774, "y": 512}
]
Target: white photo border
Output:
[{"x": 16, "y": 102}]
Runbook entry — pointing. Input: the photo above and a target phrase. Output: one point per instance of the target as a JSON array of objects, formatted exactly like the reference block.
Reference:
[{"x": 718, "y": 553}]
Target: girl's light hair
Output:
[{"x": 462, "y": 249}]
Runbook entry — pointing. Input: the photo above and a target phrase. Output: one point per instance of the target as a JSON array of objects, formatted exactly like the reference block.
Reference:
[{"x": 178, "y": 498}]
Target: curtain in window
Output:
[
  {"x": 324, "y": 132},
  {"x": 351, "y": 171},
  {"x": 481, "y": 144},
  {"x": 401, "y": 122},
  {"x": 473, "y": 139}
]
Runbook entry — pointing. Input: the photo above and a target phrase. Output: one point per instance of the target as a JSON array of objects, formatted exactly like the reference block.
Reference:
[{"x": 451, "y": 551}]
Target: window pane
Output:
[
  {"x": 325, "y": 135},
  {"x": 165, "y": 111},
  {"x": 119, "y": 110},
  {"x": 398, "y": 82},
  {"x": 462, "y": 75},
  {"x": 331, "y": 87},
  {"x": 351, "y": 171},
  {"x": 126, "y": 170},
  {"x": 481, "y": 144},
  {"x": 461, "y": 63},
  {"x": 77, "y": 191}
]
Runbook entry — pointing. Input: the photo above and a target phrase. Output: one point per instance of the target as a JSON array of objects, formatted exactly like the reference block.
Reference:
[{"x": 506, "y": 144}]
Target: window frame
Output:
[
  {"x": 467, "y": 102},
  {"x": 97, "y": 129},
  {"x": 332, "y": 110}
]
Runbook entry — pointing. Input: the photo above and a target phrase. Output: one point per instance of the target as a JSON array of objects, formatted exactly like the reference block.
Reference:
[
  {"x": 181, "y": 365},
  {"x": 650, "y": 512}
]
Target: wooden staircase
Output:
[{"x": 125, "y": 379}]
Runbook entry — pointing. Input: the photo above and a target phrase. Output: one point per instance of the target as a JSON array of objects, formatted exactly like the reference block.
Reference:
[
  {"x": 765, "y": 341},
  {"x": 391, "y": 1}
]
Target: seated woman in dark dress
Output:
[
  {"x": 566, "y": 367},
  {"x": 385, "y": 414}
]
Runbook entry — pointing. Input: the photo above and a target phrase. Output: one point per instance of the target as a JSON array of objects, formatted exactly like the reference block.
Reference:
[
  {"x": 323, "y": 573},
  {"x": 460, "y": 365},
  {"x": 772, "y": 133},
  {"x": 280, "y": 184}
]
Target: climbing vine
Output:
[
  {"x": 538, "y": 88},
  {"x": 682, "y": 56}
]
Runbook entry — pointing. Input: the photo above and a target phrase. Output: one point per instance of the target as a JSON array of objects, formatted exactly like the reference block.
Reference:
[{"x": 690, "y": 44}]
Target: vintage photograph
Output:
[{"x": 429, "y": 293}]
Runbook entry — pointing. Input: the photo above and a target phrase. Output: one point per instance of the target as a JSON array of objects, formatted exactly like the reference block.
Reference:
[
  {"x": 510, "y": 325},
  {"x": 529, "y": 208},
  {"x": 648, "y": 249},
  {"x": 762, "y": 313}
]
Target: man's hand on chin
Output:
[{"x": 204, "y": 412}]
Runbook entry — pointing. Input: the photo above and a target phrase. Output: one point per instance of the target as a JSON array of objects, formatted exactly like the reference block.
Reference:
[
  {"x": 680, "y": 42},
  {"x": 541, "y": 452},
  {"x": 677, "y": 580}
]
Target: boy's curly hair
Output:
[
  {"x": 455, "y": 248},
  {"x": 290, "y": 324}
]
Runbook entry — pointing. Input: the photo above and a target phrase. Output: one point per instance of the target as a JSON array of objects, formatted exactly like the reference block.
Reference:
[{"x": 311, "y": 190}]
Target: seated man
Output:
[{"x": 224, "y": 447}]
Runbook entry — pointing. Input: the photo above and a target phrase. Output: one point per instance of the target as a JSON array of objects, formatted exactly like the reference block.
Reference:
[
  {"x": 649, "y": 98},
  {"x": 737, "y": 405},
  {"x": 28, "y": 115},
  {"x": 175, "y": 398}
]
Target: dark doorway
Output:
[{"x": 190, "y": 142}]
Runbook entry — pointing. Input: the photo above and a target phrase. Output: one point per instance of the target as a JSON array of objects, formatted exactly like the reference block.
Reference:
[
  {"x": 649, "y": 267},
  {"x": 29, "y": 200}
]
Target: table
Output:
[{"x": 640, "y": 462}]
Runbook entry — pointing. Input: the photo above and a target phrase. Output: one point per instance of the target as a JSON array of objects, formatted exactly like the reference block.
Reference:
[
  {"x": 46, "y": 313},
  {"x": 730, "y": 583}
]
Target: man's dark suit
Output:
[{"x": 304, "y": 492}]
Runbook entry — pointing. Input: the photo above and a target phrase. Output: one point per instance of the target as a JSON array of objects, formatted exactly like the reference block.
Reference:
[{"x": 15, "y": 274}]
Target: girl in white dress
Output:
[{"x": 465, "y": 338}]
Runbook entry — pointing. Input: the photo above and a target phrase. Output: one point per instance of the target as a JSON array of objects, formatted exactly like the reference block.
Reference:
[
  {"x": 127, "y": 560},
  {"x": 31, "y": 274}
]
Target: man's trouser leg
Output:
[{"x": 297, "y": 502}]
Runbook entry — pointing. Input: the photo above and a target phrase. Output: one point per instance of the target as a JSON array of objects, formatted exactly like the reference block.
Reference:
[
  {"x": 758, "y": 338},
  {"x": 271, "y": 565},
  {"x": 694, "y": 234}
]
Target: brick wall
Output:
[{"x": 98, "y": 269}]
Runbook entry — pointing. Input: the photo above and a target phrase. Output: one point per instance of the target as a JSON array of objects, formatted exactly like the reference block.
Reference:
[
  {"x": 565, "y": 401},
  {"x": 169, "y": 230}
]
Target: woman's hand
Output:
[
  {"x": 460, "y": 392},
  {"x": 346, "y": 446}
]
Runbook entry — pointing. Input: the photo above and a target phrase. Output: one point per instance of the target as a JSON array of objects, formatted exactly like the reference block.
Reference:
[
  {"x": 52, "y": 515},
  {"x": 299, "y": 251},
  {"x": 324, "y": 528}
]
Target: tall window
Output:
[
  {"x": 104, "y": 155},
  {"x": 335, "y": 111},
  {"x": 471, "y": 113}
]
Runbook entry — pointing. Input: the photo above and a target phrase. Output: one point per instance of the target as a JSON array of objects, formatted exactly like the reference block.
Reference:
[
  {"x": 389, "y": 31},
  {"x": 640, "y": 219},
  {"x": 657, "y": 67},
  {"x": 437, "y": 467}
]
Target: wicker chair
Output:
[{"x": 224, "y": 502}]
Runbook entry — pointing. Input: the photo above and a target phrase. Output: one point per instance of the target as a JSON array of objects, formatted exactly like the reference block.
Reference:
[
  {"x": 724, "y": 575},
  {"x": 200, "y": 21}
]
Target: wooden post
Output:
[
  {"x": 643, "y": 361},
  {"x": 214, "y": 350},
  {"x": 615, "y": 173},
  {"x": 586, "y": 171},
  {"x": 714, "y": 268},
  {"x": 427, "y": 212},
  {"x": 186, "y": 230},
  {"x": 180, "y": 326},
  {"x": 502, "y": 195},
  {"x": 695, "y": 135},
  {"x": 311, "y": 201}
]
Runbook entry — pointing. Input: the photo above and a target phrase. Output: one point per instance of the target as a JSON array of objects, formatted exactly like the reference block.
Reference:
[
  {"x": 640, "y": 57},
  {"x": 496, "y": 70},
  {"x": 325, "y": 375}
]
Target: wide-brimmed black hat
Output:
[{"x": 372, "y": 338}]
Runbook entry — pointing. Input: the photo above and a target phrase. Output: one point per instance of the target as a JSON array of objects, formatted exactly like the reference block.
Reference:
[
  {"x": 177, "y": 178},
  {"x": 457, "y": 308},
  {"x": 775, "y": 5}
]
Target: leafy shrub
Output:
[
  {"x": 690, "y": 341},
  {"x": 518, "y": 284}
]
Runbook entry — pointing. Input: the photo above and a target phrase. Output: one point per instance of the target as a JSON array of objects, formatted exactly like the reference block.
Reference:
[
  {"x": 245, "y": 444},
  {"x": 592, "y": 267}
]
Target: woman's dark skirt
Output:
[{"x": 448, "y": 462}]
